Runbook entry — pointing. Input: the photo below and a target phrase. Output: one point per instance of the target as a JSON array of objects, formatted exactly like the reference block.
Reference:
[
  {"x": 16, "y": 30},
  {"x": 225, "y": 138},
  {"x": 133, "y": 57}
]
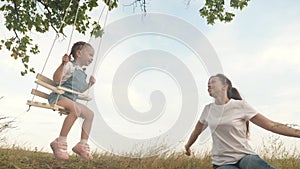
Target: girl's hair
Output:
[
  {"x": 232, "y": 93},
  {"x": 78, "y": 46}
]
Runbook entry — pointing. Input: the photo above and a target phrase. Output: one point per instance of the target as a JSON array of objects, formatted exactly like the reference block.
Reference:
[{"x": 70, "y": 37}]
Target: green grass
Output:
[{"x": 18, "y": 158}]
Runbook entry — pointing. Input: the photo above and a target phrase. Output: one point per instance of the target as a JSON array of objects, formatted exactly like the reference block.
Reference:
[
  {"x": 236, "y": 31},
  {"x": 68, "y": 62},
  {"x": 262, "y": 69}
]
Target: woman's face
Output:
[
  {"x": 86, "y": 55},
  {"x": 216, "y": 87}
]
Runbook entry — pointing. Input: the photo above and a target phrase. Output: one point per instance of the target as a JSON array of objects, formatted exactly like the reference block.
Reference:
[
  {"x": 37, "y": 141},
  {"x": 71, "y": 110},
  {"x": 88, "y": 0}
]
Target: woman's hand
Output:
[{"x": 187, "y": 150}]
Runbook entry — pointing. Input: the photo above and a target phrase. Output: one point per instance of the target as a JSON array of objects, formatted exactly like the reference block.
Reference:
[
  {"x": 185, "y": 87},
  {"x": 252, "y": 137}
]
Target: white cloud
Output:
[{"x": 283, "y": 50}]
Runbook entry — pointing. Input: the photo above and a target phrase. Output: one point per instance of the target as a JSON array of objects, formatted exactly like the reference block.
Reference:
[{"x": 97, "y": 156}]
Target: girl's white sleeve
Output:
[{"x": 67, "y": 72}]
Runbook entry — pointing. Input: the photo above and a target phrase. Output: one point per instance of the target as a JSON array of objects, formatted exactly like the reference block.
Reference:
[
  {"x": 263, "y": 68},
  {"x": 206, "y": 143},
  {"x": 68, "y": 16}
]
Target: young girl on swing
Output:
[{"x": 70, "y": 74}]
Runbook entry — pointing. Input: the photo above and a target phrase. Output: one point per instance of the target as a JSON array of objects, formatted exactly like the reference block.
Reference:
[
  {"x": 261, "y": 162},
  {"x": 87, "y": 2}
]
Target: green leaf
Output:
[
  {"x": 23, "y": 73},
  {"x": 32, "y": 70}
]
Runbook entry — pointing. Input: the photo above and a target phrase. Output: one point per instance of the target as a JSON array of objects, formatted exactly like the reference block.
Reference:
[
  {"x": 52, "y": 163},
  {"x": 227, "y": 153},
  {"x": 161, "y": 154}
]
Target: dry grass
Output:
[
  {"x": 277, "y": 154},
  {"x": 19, "y": 158}
]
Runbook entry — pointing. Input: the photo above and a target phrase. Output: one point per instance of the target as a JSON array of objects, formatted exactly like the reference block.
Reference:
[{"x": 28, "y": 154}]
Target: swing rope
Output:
[
  {"x": 69, "y": 44},
  {"x": 71, "y": 36},
  {"x": 52, "y": 46},
  {"x": 73, "y": 27},
  {"x": 98, "y": 21},
  {"x": 100, "y": 43},
  {"x": 57, "y": 35}
]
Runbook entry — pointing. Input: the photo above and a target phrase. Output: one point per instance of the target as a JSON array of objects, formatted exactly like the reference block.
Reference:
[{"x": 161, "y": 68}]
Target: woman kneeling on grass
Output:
[{"x": 228, "y": 119}]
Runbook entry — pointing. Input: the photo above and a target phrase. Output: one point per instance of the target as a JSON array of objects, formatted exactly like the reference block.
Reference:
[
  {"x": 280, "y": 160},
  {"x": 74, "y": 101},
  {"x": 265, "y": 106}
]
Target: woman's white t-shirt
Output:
[{"x": 227, "y": 124}]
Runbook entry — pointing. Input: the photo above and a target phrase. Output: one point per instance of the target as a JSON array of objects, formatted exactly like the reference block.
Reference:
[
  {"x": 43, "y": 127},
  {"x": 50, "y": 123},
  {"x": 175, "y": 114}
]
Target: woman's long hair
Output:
[{"x": 232, "y": 93}]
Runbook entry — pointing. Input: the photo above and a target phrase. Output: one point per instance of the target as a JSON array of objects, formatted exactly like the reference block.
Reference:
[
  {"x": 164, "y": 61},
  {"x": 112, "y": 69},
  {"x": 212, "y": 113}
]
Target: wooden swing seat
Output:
[{"x": 51, "y": 85}]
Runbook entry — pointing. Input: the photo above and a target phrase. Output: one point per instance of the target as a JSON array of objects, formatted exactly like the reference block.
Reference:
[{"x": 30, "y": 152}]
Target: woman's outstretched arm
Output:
[
  {"x": 196, "y": 132},
  {"x": 275, "y": 127}
]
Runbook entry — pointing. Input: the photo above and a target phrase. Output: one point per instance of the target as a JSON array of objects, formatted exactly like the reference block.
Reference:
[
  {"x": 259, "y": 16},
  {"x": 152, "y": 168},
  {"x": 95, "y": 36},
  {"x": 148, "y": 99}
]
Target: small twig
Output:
[
  {"x": 143, "y": 6},
  {"x": 141, "y": 2},
  {"x": 188, "y": 2},
  {"x": 17, "y": 36}
]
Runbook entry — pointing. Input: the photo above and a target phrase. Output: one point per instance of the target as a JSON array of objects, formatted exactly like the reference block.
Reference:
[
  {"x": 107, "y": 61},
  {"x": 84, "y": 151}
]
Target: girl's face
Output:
[
  {"x": 216, "y": 87},
  {"x": 85, "y": 55}
]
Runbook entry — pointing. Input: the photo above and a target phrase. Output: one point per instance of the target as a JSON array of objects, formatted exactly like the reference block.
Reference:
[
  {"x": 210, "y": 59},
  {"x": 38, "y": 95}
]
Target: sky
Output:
[{"x": 259, "y": 51}]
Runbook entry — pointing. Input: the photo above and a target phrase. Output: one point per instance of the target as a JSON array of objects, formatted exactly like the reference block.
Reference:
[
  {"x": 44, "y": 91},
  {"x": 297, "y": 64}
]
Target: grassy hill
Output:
[{"x": 17, "y": 158}]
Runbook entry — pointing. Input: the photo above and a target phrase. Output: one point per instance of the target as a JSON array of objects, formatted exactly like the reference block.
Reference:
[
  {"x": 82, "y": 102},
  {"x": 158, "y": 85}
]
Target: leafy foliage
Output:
[
  {"x": 215, "y": 10},
  {"x": 24, "y": 16}
]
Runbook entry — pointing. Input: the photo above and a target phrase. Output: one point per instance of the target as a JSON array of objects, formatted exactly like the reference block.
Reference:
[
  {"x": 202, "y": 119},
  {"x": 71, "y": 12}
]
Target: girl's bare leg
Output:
[
  {"x": 71, "y": 117},
  {"x": 88, "y": 116},
  {"x": 82, "y": 148},
  {"x": 59, "y": 145}
]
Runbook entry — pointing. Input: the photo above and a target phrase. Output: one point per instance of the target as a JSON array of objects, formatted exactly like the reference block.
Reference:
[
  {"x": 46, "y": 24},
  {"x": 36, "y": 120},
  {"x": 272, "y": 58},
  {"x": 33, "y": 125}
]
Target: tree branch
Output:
[
  {"x": 18, "y": 18},
  {"x": 16, "y": 9},
  {"x": 47, "y": 8}
]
